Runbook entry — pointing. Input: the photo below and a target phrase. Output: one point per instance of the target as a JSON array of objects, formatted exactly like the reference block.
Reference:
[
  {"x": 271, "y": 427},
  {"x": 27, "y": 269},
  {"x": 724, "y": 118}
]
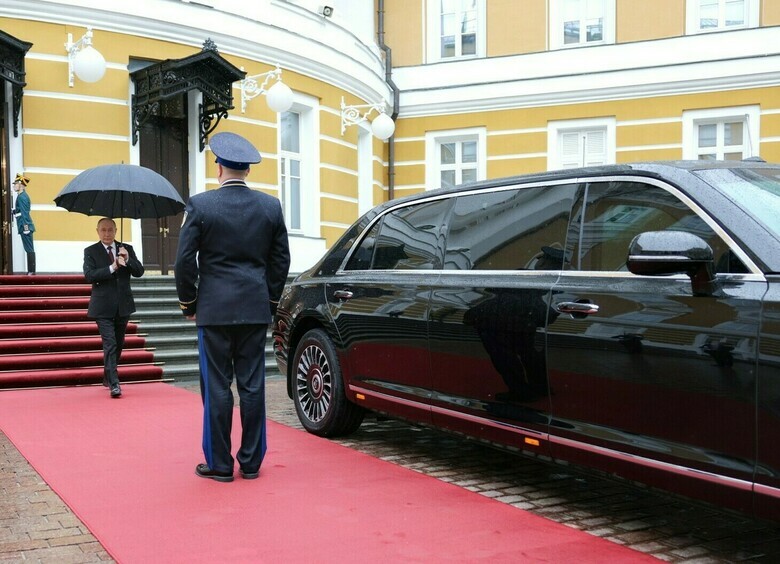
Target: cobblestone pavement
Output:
[{"x": 36, "y": 526}]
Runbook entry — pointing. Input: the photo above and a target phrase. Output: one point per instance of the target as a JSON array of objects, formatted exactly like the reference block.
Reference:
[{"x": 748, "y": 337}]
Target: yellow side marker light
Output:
[
  {"x": 360, "y": 396},
  {"x": 530, "y": 441}
]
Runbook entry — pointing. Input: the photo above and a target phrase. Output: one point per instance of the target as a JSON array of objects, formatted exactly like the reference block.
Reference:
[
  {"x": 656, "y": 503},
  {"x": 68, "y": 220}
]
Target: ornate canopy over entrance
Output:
[
  {"x": 12, "y": 51},
  {"x": 206, "y": 71}
]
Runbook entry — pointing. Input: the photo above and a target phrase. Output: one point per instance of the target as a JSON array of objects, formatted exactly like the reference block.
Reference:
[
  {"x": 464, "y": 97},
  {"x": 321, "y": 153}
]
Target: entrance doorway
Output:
[
  {"x": 163, "y": 148},
  {"x": 6, "y": 231}
]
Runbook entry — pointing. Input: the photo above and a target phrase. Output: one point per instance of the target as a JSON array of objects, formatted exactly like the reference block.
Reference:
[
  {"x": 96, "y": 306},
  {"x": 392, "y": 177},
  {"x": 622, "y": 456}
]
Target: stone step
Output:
[{"x": 173, "y": 338}]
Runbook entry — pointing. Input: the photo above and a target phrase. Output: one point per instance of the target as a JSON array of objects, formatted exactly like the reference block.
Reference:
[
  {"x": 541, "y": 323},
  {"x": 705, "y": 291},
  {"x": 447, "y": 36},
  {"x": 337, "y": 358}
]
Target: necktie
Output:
[{"x": 111, "y": 254}]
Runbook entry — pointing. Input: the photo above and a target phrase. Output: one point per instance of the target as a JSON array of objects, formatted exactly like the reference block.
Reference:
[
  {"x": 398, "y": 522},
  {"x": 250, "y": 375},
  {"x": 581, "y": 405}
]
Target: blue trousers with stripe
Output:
[{"x": 228, "y": 351}]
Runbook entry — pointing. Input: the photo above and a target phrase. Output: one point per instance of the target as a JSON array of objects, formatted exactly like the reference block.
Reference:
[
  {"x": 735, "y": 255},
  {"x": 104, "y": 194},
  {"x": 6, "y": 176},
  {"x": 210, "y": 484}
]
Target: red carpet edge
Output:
[{"x": 126, "y": 469}]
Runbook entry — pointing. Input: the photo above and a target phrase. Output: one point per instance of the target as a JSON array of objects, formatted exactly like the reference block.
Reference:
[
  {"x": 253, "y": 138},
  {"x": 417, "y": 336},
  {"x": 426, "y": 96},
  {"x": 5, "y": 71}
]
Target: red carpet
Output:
[{"x": 126, "y": 468}]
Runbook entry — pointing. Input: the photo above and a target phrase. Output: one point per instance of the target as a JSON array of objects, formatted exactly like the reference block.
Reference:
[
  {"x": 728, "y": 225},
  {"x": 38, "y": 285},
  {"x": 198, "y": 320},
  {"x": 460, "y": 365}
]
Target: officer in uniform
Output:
[
  {"x": 24, "y": 222},
  {"x": 231, "y": 267}
]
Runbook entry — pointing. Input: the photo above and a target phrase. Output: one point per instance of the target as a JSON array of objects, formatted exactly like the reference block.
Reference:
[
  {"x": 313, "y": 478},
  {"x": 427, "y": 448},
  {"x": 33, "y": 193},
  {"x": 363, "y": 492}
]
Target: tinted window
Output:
[
  {"x": 406, "y": 239},
  {"x": 616, "y": 212},
  {"x": 332, "y": 260},
  {"x": 514, "y": 229}
]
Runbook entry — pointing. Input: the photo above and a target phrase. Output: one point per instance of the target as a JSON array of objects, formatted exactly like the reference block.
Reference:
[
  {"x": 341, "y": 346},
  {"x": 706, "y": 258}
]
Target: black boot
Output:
[{"x": 30, "y": 263}]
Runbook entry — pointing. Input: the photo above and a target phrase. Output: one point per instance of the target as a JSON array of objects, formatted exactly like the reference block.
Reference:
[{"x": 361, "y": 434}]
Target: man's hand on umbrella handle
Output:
[{"x": 122, "y": 256}]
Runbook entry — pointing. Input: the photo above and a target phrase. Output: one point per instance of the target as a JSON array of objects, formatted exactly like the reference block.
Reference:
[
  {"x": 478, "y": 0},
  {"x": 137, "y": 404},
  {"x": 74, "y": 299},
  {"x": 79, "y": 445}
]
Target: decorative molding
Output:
[{"x": 331, "y": 53}]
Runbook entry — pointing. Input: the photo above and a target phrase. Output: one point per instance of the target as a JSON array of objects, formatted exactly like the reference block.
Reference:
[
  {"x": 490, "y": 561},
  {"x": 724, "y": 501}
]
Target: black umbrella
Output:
[{"x": 121, "y": 190}]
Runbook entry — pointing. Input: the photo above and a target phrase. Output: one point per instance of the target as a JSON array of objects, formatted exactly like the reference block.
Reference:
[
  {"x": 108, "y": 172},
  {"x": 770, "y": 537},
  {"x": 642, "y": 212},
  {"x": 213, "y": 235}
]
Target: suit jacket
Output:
[
  {"x": 233, "y": 256},
  {"x": 111, "y": 295},
  {"x": 22, "y": 213}
]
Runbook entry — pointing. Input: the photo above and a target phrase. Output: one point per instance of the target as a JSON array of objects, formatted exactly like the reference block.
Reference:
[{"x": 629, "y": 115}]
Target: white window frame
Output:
[
  {"x": 433, "y": 143},
  {"x": 365, "y": 150},
  {"x": 556, "y": 26},
  {"x": 694, "y": 118},
  {"x": 433, "y": 29},
  {"x": 752, "y": 16},
  {"x": 555, "y": 129},
  {"x": 308, "y": 109}
]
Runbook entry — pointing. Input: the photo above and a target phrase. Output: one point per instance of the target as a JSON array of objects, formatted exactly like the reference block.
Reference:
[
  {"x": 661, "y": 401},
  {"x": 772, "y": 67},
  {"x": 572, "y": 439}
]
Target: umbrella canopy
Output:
[{"x": 121, "y": 190}]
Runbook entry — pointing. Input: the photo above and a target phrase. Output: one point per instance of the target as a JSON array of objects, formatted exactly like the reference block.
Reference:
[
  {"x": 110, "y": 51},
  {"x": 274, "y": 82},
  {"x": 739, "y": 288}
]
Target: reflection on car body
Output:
[{"x": 624, "y": 317}]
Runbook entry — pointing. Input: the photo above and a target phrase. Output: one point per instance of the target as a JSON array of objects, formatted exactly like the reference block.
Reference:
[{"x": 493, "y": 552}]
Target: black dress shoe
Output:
[
  {"x": 204, "y": 471},
  {"x": 116, "y": 392},
  {"x": 246, "y": 475}
]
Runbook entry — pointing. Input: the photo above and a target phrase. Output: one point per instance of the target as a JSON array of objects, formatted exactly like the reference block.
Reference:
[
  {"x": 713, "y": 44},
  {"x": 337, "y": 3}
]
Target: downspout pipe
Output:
[{"x": 396, "y": 96}]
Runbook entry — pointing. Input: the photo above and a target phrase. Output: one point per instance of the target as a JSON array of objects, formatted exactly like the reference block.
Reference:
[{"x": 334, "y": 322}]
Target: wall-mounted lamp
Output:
[
  {"x": 383, "y": 125},
  {"x": 279, "y": 97},
  {"x": 84, "y": 61}
]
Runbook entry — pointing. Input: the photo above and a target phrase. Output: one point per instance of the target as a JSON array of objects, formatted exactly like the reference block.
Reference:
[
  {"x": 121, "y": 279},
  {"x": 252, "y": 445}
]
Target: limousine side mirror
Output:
[{"x": 659, "y": 253}]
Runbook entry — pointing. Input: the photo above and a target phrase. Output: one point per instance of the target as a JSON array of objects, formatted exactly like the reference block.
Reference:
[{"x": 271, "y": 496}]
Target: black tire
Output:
[{"x": 318, "y": 388}]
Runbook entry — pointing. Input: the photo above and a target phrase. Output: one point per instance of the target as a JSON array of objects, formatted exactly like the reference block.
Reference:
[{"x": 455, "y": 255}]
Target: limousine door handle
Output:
[
  {"x": 342, "y": 294},
  {"x": 577, "y": 309}
]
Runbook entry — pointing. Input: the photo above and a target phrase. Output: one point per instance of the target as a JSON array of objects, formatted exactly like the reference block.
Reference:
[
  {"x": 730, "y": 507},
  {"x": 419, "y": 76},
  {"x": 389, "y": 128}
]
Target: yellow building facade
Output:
[{"x": 479, "y": 89}]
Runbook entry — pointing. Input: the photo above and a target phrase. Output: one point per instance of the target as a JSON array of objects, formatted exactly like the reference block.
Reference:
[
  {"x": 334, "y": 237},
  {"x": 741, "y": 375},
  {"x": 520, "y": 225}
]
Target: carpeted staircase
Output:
[{"x": 46, "y": 338}]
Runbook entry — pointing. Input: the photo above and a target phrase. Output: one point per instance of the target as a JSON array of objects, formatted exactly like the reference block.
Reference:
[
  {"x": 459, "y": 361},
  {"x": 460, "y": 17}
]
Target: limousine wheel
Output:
[{"x": 319, "y": 395}]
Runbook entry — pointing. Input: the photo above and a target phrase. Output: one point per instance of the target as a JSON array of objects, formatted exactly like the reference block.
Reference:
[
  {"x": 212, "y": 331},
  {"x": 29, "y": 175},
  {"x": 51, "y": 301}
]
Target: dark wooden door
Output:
[
  {"x": 163, "y": 148},
  {"x": 6, "y": 229}
]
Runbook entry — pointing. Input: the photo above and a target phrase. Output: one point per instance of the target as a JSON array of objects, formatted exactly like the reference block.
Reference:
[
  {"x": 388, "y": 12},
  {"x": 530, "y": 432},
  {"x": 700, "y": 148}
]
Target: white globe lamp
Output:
[
  {"x": 279, "y": 97},
  {"x": 383, "y": 126},
  {"x": 89, "y": 65}
]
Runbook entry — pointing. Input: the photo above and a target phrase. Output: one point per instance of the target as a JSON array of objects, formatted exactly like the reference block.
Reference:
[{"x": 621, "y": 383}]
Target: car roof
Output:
[
  {"x": 667, "y": 170},
  {"x": 678, "y": 173}
]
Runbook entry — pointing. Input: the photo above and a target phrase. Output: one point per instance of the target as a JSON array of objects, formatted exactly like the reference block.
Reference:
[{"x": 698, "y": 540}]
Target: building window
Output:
[
  {"x": 290, "y": 168},
  {"x": 456, "y": 29},
  {"x": 454, "y": 157},
  {"x": 725, "y": 134},
  {"x": 576, "y": 23},
  {"x": 578, "y": 143},
  {"x": 714, "y": 15}
]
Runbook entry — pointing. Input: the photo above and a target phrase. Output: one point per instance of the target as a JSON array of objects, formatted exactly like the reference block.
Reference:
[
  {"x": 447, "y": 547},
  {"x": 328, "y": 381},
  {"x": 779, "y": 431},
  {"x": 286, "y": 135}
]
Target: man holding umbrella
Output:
[
  {"x": 116, "y": 190},
  {"x": 108, "y": 265},
  {"x": 231, "y": 268}
]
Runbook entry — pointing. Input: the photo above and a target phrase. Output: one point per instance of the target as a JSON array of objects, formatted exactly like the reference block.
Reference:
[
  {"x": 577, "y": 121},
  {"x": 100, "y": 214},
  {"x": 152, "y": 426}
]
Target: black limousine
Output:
[{"x": 623, "y": 317}]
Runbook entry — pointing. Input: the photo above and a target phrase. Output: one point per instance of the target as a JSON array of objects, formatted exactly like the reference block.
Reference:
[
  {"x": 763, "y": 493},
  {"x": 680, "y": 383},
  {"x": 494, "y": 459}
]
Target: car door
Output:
[
  {"x": 768, "y": 467},
  {"x": 643, "y": 370},
  {"x": 379, "y": 304},
  {"x": 504, "y": 252}
]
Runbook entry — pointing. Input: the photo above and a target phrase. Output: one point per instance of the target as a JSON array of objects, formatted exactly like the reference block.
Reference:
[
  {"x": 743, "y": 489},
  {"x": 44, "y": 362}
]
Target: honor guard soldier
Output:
[{"x": 24, "y": 223}]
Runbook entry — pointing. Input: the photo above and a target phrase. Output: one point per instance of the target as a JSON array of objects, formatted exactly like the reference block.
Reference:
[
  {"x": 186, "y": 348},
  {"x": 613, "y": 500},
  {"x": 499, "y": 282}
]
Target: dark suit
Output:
[
  {"x": 232, "y": 263},
  {"x": 111, "y": 301}
]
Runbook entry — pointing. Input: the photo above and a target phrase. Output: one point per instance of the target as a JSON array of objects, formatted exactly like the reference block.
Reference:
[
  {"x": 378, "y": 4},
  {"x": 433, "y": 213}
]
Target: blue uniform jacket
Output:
[
  {"x": 22, "y": 212},
  {"x": 233, "y": 256}
]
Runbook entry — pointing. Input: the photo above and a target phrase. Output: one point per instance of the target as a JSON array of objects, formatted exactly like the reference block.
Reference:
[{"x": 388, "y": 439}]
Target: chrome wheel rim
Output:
[{"x": 314, "y": 383}]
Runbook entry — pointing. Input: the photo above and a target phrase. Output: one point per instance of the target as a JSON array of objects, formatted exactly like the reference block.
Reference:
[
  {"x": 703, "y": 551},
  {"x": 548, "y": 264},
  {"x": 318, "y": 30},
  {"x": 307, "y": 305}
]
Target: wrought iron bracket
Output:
[{"x": 206, "y": 71}]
